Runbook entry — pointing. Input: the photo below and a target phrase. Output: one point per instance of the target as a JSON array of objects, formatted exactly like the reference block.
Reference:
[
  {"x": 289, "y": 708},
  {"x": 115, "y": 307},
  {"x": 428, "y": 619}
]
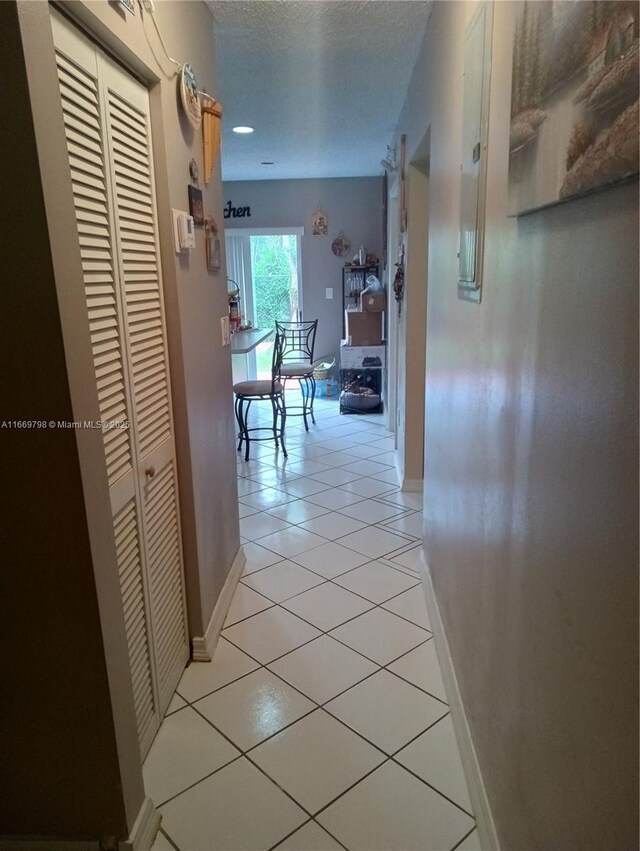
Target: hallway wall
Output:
[
  {"x": 79, "y": 763},
  {"x": 352, "y": 205},
  {"x": 531, "y": 499},
  {"x": 60, "y": 773}
]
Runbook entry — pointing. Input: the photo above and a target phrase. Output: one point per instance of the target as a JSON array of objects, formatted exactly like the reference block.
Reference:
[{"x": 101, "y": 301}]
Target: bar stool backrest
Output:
[
  {"x": 276, "y": 359},
  {"x": 299, "y": 340}
]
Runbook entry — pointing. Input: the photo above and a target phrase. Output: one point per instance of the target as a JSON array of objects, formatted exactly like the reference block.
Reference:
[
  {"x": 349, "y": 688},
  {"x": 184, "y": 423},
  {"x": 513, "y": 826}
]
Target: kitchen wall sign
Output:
[{"x": 231, "y": 212}]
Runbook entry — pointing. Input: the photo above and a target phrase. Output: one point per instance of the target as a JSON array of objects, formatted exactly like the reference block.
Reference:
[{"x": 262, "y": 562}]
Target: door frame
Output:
[
  {"x": 246, "y": 292},
  {"x": 407, "y": 334}
]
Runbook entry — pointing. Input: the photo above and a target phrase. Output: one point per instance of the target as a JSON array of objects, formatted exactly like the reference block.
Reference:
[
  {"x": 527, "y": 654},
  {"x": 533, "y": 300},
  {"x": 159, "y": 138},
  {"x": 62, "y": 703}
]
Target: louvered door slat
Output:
[
  {"x": 165, "y": 573},
  {"x": 96, "y": 252},
  {"x": 123, "y": 164},
  {"x": 131, "y": 584},
  {"x": 135, "y": 184},
  {"x": 145, "y": 326}
]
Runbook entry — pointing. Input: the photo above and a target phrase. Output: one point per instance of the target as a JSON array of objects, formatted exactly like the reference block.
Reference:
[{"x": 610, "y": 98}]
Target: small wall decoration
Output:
[
  {"x": 402, "y": 205},
  {"x": 128, "y": 5},
  {"x": 385, "y": 196},
  {"x": 319, "y": 223},
  {"x": 231, "y": 212},
  {"x": 398, "y": 287},
  {"x": 196, "y": 208},
  {"x": 189, "y": 95},
  {"x": 340, "y": 245},
  {"x": 212, "y": 243},
  {"x": 574, "y": 100},
  {"x": 193, "y": 171},
  {"x": 211, "y": 119}
]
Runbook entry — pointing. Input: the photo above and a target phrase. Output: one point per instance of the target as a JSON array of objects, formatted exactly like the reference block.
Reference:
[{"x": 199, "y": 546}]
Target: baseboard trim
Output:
[
  {"x": 48, "y": 845},
  {"x": 477, "y": 792},
  {"x": 202, "y": 646},
  {"x": 144, "y": 830},
  {"x": 412, "y": 485},
  {"x": 406, "y": 485},
  {"x": 141, "y": 838}
]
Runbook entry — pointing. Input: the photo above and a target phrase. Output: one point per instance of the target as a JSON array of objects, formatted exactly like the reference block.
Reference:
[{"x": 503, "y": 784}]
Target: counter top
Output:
[{"x": 243, "y": 342}]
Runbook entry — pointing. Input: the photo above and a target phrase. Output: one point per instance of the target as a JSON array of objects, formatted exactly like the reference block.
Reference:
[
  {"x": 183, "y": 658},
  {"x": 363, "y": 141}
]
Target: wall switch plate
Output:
[
  {"x": 329, "y": 292},
  {"x": 224, "y": 329}
]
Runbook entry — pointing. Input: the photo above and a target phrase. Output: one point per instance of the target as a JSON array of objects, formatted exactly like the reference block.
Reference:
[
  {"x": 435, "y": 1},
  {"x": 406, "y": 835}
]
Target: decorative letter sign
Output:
[{"x": 231, "y": 212}]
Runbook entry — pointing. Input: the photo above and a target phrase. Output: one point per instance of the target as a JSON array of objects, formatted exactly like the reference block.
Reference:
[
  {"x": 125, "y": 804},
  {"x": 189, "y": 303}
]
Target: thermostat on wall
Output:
[{"x": 184, "y": 232}]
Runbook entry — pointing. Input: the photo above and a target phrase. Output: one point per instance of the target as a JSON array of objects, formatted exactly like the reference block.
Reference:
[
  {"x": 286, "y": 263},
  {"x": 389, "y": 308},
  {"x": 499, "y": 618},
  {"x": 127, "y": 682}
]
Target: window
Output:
[{"x": 265, "y": 264}]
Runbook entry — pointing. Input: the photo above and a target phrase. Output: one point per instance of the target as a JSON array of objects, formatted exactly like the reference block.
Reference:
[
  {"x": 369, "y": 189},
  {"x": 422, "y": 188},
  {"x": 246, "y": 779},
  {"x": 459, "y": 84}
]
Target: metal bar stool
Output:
[
  {"x": 247, "y": 392},
  {"x": 299, "y": 339}
]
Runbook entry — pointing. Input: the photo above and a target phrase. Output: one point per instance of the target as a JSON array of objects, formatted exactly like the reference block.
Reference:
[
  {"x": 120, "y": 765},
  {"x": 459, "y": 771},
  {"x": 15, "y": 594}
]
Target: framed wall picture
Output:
[
  {"x": 196, "y": 208},
  {"x": 402, "y": 201},
  {"x": 574, "y": 100},
  {"x": 212, "y": 243},
  {"x": 475, "y": 138},
  {"x": 319, "y": 223}
]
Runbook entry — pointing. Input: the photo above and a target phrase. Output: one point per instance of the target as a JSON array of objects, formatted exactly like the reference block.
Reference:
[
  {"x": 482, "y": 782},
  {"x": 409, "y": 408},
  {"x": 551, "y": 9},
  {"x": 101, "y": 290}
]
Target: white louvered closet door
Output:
[
  {"x": 106, "y": 115},
  {"x": 131, "y": 166}
]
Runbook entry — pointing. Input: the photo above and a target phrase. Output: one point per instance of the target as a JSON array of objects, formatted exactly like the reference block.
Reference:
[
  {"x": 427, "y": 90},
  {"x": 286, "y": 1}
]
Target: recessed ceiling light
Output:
[{"x": 241, "y": 129}]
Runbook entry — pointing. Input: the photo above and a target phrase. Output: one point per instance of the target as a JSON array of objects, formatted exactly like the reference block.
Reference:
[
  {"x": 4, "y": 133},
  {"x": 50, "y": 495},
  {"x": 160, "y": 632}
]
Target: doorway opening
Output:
[
  {"x": 266, "y": 266},
  {"x": 407, "y": 327}
]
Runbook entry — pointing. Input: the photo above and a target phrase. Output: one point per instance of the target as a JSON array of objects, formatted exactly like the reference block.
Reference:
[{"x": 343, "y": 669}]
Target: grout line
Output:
[
  {"x": 387, "y": 668},
  {"x": 168, "y": 838},
  {"x": 247, "y": 751},
  {"x": 414, "y": 738},
  {"x": 326, "y": 830},
  {"x": 417, "y": 776},
  {"x": 458, "y": 844},
  {"x": 290, "y": 834},
  {"x": 200, "y": 780},
  {"x": 433, "y": 788}
]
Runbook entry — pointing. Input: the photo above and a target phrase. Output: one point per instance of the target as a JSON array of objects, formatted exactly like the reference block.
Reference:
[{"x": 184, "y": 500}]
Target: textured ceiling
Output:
[{"x": 322, "y": 82}]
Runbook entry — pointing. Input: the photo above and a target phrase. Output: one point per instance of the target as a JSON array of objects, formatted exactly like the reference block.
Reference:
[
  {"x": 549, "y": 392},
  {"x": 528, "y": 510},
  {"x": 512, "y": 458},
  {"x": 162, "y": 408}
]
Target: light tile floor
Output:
[{"x": 322, "y": 721}]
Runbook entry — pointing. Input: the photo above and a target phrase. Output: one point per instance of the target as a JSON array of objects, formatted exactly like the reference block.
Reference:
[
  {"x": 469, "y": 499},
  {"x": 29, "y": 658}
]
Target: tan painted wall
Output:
[
  {"x": 531, "y": 502},
  {"x": 60, "y": 771},
  {"x": 201, "y": 377}
]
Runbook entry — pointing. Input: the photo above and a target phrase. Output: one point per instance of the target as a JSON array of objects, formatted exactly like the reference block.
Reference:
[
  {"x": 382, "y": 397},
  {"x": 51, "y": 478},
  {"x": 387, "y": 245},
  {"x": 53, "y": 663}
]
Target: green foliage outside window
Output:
[{"x": 275, "y": 283}]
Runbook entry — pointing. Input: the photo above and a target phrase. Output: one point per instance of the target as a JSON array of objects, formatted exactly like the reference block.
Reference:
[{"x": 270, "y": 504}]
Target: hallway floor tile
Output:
[{"x": 322, "y": 721}]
